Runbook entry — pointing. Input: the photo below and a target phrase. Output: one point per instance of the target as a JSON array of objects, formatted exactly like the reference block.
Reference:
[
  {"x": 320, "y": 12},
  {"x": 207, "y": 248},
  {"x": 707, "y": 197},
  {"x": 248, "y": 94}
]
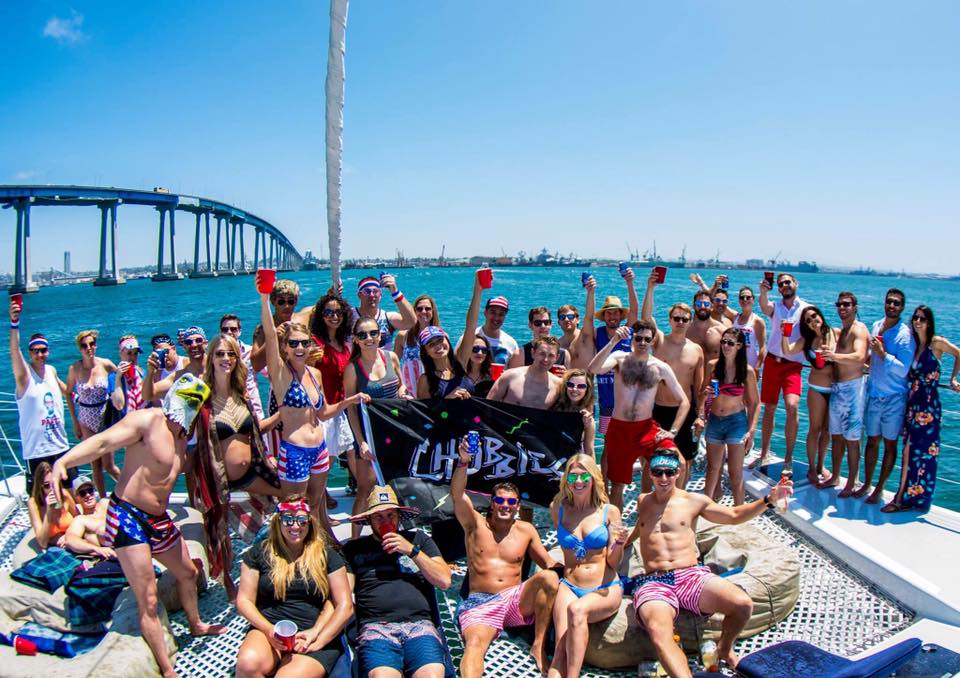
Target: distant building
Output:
[{"x": 66, "y": 262}]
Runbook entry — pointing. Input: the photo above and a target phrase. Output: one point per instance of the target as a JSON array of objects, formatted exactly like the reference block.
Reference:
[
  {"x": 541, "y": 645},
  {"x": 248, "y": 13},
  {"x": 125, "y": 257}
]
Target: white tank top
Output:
[
  {"x": 750, "y": 338},
  {"x": 780, "y": 314},
  {"x": 42, "y": 431}
]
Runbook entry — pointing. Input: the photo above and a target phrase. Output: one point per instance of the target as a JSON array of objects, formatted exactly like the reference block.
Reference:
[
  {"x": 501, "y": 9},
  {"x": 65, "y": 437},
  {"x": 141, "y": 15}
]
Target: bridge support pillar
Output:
[
  {"x": 108, "y": 275},
  {"x": 198, "y": 270},
  {"x": 161, "y": 275},
  {"x": 243, "y": 254},
  {"x": 229, "y": 234},
  {"x": 22, "y": 277}
]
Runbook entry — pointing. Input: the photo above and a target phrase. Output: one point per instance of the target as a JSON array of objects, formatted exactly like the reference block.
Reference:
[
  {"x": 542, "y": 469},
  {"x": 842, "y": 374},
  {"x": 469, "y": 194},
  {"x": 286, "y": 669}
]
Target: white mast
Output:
[{"x": 334, "y": 129}]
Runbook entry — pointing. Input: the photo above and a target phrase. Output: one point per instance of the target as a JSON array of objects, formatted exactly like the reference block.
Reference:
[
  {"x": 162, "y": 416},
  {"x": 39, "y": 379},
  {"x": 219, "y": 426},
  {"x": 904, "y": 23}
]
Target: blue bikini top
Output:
[
  {"x": 596, "y": 539},
  {"x": 296, "y": 396}
]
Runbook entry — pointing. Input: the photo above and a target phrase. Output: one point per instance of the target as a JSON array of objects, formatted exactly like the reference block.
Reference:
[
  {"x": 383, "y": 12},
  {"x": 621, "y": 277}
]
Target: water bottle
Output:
[
  {"x": 782, "y": 504},
  {"x": 708, "y": 654}
]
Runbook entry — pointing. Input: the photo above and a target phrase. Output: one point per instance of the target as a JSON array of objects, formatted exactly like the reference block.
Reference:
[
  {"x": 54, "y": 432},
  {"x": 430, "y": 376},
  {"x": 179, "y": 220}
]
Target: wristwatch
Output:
[{"x": 415, "y": 551}]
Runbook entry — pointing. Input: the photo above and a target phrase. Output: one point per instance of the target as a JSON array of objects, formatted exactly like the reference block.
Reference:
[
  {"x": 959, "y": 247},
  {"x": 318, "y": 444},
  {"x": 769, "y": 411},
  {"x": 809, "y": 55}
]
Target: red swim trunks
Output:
[
  {"x": 779, "y": 375},
  {"x": 627, "y": 441}
]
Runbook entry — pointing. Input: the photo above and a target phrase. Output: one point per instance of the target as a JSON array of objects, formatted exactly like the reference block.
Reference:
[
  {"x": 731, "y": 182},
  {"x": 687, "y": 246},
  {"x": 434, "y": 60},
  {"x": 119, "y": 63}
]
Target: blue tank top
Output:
[
  {"x": 596, "y": 539},
  {"x": 605, "y": 381}
]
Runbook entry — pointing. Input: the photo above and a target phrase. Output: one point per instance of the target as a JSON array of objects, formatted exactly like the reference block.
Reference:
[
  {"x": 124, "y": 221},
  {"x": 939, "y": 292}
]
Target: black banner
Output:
[{"x": 416, "y": 445}]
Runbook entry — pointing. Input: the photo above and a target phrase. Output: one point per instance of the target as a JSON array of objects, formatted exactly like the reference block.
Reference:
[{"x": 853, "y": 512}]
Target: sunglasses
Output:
[
  {"x": 480, "y": 349},
  {"x": 844, "y": 304},
  {"x": 720, "y": 301},
  {"x": 542, "y": 323},
  {"x": 566, "y": 316},
  {"x": 582, "y": 477},
  {"x": 331, "y": 313},
  {"x": 372, "y": 334},
  {"x": 371, "y": 290},
  {"x": 660, "y": 472},
  {"x": 701, "y": 304},
  {"x": 579, "y": 387},
  {"x": 920, "y": 319},
  {"x": 230, "y": 330},
  {"x": 192, "y": 342},
  {"x": 290, "y": 521},
  {"x": 424, "y": 309},
  {"x": 298, "y": 343},
  {"x": 680, "y": 319},
  {"x": 285, "y": 302},
  {"x": 225, "y": 354},
  {"x": 39, "y": 351},
  {"x": 785, "y": 283},
  {"x": 894, "y": 302},
  {"x": 729, "y": 342},
  {"x": 509, "y": 501},
  {"x": 746, "y": 297},
  {"x": 643, "y": 339},
  {"x": 88, "y": 344},
  {"x": 86, "y": 492}
]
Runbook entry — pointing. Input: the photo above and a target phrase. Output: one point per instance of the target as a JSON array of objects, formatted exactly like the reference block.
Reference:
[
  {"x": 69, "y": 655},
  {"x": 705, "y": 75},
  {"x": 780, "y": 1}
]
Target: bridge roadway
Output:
[{"x": 271, "y": 247}]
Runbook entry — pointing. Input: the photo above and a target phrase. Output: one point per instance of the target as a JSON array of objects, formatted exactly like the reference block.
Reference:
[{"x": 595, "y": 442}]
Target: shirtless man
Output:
[
  {"x": 138, "y": 526},
  {"x": 194, "y": 340},
  {"x": 685, "y": 358},
  {"x": 534, "y": 385},
  {"x": 540, "y": 323},
  {"x": 370, "y": 292},
  {"x": 847, "y": 394},
  {"x": 633, "y": 433},
  {"x": 497, "y": 544},
  {"x": 704, "y": 330},
  {"x": 666, "y": 526},
  {"x": 753, "y": 328},
  {"x": 86, "y": 529},
  {"x": 579, "y": 342},
  {"x": 720, "y": 297}
]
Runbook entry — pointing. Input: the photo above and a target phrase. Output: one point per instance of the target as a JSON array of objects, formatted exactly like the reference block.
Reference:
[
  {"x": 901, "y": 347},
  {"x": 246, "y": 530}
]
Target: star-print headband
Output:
[
  {"x": 664, "y": 461},
  {"x": 293, "y": 506}
]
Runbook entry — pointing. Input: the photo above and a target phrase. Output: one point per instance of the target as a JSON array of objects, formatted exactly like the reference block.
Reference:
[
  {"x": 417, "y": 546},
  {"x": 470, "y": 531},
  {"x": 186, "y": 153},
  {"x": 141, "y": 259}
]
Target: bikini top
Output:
[
  {"x": 596, "y": 539},
  {"x": 232, "y": 419},
  {"x": 735, "y": 390},
  {"x": 296, "y": 396}
]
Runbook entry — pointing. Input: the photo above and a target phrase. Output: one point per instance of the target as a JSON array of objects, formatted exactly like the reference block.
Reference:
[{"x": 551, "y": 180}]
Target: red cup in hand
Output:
[
  {"x": 131, "y": 371},
  {"x": 496, "y": 369},
  {"x": 818, "y": 360},
  {"x": 879, "y": 339},
  {"x": 768, "y": 276},
  {"x": 787, "y": 328},
  {"x": 386, "y": 528},
  {"x": 17, "y": 298},
  {"x": 24, "y": 646},
  {"x": 661, "y": 272},
  {"x": 286, "y": 632},
  {"x": 485, "y": 276},
  {"x": 265, "y": 279}
]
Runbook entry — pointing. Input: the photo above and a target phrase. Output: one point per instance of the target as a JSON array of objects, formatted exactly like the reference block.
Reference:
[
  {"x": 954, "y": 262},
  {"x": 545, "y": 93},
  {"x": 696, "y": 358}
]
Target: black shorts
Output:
[{"x": 664, "y": 416}]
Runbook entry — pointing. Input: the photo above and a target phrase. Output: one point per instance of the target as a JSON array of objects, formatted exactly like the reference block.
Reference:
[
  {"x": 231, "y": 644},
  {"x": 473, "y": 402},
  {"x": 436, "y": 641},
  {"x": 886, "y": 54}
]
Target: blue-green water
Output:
[{"x": 145, "y": 308}]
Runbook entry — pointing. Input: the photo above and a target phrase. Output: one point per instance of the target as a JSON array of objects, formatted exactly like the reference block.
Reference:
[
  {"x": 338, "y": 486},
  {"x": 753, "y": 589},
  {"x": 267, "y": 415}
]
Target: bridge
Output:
[{"x": 271, "y": 248}]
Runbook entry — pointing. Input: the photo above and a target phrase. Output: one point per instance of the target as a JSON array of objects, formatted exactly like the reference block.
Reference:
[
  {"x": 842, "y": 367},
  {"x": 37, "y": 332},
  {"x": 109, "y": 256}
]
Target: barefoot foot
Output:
[
  {"x": 202, "y": 629},
  {"x": 874, "y": 498},
  {"x": 830, "y": 482},
  {"x": 812, "y": 478},
  {"x": 730, "y": 658},
  {"x": 846, "y": 491},
  {"x": 539, "y": 654},
  {"x": 862, "y": 491}
]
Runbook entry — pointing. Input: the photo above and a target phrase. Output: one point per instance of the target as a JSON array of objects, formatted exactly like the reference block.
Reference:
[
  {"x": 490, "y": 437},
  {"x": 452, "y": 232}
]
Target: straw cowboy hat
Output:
[
  {"x": 611, "y": 303},
  {"x": 382, "y": 498}
]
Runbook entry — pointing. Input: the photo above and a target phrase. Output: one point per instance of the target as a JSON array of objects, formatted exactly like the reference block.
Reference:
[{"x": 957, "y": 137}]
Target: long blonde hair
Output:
[
  {"x": 238, "y": 376},
  {"x": 312, "y": 563},
  {"x": 598, "y": 492}
]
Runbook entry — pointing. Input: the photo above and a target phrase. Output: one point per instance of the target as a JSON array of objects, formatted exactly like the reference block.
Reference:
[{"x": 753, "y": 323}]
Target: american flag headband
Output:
[{"x": 293, "y": 506}]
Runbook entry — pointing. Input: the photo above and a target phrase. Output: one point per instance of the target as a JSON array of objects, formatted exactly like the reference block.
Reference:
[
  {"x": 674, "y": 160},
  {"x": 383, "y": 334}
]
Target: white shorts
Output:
[{"x": 337, "y": 433}]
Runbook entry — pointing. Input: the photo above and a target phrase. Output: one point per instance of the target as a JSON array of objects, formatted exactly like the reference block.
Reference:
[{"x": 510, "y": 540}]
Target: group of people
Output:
[{"x": 655, "y": 393}]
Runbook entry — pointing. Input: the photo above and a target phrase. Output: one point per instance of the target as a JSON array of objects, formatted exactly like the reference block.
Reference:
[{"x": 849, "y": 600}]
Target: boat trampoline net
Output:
[{"x": 837, "y": 610}]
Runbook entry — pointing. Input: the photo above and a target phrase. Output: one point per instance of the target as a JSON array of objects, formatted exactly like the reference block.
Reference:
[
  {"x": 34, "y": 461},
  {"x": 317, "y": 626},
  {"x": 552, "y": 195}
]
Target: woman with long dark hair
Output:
[
  {"x": 443, "y": 375},
  {"x": 732, "y": 408},
  {"x": 816, "y": 336},
  {"x": 575, "y": 393},
  {"x": 293, "y": 575},
  {"x": 921, "y": 445},
  {"x": 407, "y": 343}
]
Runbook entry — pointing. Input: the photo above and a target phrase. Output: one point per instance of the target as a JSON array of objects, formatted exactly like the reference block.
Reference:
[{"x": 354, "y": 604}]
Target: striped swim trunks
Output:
[
  {"x": 295, "y": 464},
  {"x": 680, "y": 589},
  {"x": 498, "y": 610},
  {"x": 128, "y": 525}
]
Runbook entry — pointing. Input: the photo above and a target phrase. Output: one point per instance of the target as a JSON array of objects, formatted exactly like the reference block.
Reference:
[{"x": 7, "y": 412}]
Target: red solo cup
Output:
[
  {"x": 496, "y": 369},
  {"x": 661, "y": 272},
  {"x": 879, "y": 339},
  {"x": 132, "y": 371},
  {"x": 386, "y": 528},
  {"x": 286, "y": 632},
  {"x": 818, "y": 360},
  {"x": 787, "y": 328},
  {"x": 24, "y": 646},
  {"x": 265, "y": 279},
  {"x": 768, "y": 276},
  {"x": 17, "y": 298},
  {"x": 485, "y": 276}
]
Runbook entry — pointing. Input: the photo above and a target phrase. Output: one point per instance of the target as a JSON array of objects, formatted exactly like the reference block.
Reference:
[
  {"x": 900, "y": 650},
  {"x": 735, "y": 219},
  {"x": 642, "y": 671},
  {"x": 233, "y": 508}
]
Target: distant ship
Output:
[
  {"x": 550, "y": 260},
  {"x": 310, "y": 262}
]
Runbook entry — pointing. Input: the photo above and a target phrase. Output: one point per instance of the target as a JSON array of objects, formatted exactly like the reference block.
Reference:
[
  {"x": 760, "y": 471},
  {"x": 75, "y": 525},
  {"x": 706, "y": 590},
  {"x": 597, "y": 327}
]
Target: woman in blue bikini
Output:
[
  {"x": 592, "y": 538},
  {"x": 303, "y": 461}
]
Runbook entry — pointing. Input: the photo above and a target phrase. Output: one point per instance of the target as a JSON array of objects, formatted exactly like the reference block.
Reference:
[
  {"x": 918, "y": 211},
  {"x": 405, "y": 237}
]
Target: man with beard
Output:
[
  {"x": 633, "y": 434},
  {"x": 497, "y": 544},
  {"x": 540, "y": 323},
  {"x": 502, "y": 345},
  {"x": 781, "y": 372},
  {"x": 846, "y": 394},
  {"x": 194, "y": 340},
  {"x": 892, "y": 349},
  {"x": 685, "y": 358},
  {"x": 284, "y": 297},
  {"x": 578, "y": 342},
  {"x": 534, "y": 385},
  {"x": 370, "y": 292},
  {"x": 704, "y": 330}
]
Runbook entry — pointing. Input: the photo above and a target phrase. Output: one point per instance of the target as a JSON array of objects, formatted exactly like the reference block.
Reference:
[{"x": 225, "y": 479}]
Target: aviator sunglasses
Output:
[
  {"x": 579, "y": 387},
  {"x": 290, "y": 521},
  {"x": 566, "y": 316},
  {"x": 225, "y": 354},
  {"x": 331, "y": 313},
  {"x": 372, "y": 334}
]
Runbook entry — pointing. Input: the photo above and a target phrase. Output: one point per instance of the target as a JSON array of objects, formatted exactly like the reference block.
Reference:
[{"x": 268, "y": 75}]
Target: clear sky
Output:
[{"x": 825, "y": 130}]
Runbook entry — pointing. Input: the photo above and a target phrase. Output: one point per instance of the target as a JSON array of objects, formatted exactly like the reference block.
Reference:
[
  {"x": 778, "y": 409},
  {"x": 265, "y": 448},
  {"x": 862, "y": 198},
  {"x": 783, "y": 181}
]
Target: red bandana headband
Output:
[{"x": 293, "y": 506}]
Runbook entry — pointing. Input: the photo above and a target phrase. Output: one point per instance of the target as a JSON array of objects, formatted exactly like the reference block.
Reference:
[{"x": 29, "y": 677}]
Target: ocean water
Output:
[{"x": 145, "y": 308}]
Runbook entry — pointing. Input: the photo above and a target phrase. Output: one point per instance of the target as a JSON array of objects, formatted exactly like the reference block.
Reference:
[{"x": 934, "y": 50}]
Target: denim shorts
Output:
[
  {"x": 403, "y": 646},
  {"x": 730, "y": 429}
]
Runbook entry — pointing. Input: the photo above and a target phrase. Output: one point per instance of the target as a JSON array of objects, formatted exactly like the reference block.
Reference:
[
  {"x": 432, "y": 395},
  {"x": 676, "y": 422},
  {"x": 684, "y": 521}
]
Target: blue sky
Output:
[{"x": 827, "y": 130}]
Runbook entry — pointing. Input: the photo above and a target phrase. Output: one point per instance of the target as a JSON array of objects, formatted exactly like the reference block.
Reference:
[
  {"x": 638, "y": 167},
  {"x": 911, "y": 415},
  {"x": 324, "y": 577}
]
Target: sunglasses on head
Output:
[
  {"x": 660, "y": 472},
  {"x": 86, "y": 492},
  {"x": 230, "y": 330},
  {"x": 298, "y": 343},
  {"x": 566, "y": 316},
  {"x": 582, "y": 477},
  {"x": 893, "y": 302},
  {"x": 542, "y": 323},
  {"x": 480, "y": 349},
  {"x": 289, "y": 521},
  {"x": 642, "y": 339},
  {"x": 680, "y": 318},
  {"x": 579, "y": 387},
  {"x": 331, "y": 313},
  {"x": 285, "y": 301},
  {"x": 372, "y": 334},
  {"x": 424, "y": 309},
  {"x": 509, "y": 501},
  {"x": 729, "y": 342},
  {"x": 225, "y": 354},
  {"x": 192, "y": 342}
]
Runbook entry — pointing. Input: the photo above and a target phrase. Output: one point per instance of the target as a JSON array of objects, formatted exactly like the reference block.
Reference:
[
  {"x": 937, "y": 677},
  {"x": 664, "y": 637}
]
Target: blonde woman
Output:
[
  {"x": 87, "y": 382},
  {"x": 293, "y": 575},
  {"x": 592, "y": 537}
]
